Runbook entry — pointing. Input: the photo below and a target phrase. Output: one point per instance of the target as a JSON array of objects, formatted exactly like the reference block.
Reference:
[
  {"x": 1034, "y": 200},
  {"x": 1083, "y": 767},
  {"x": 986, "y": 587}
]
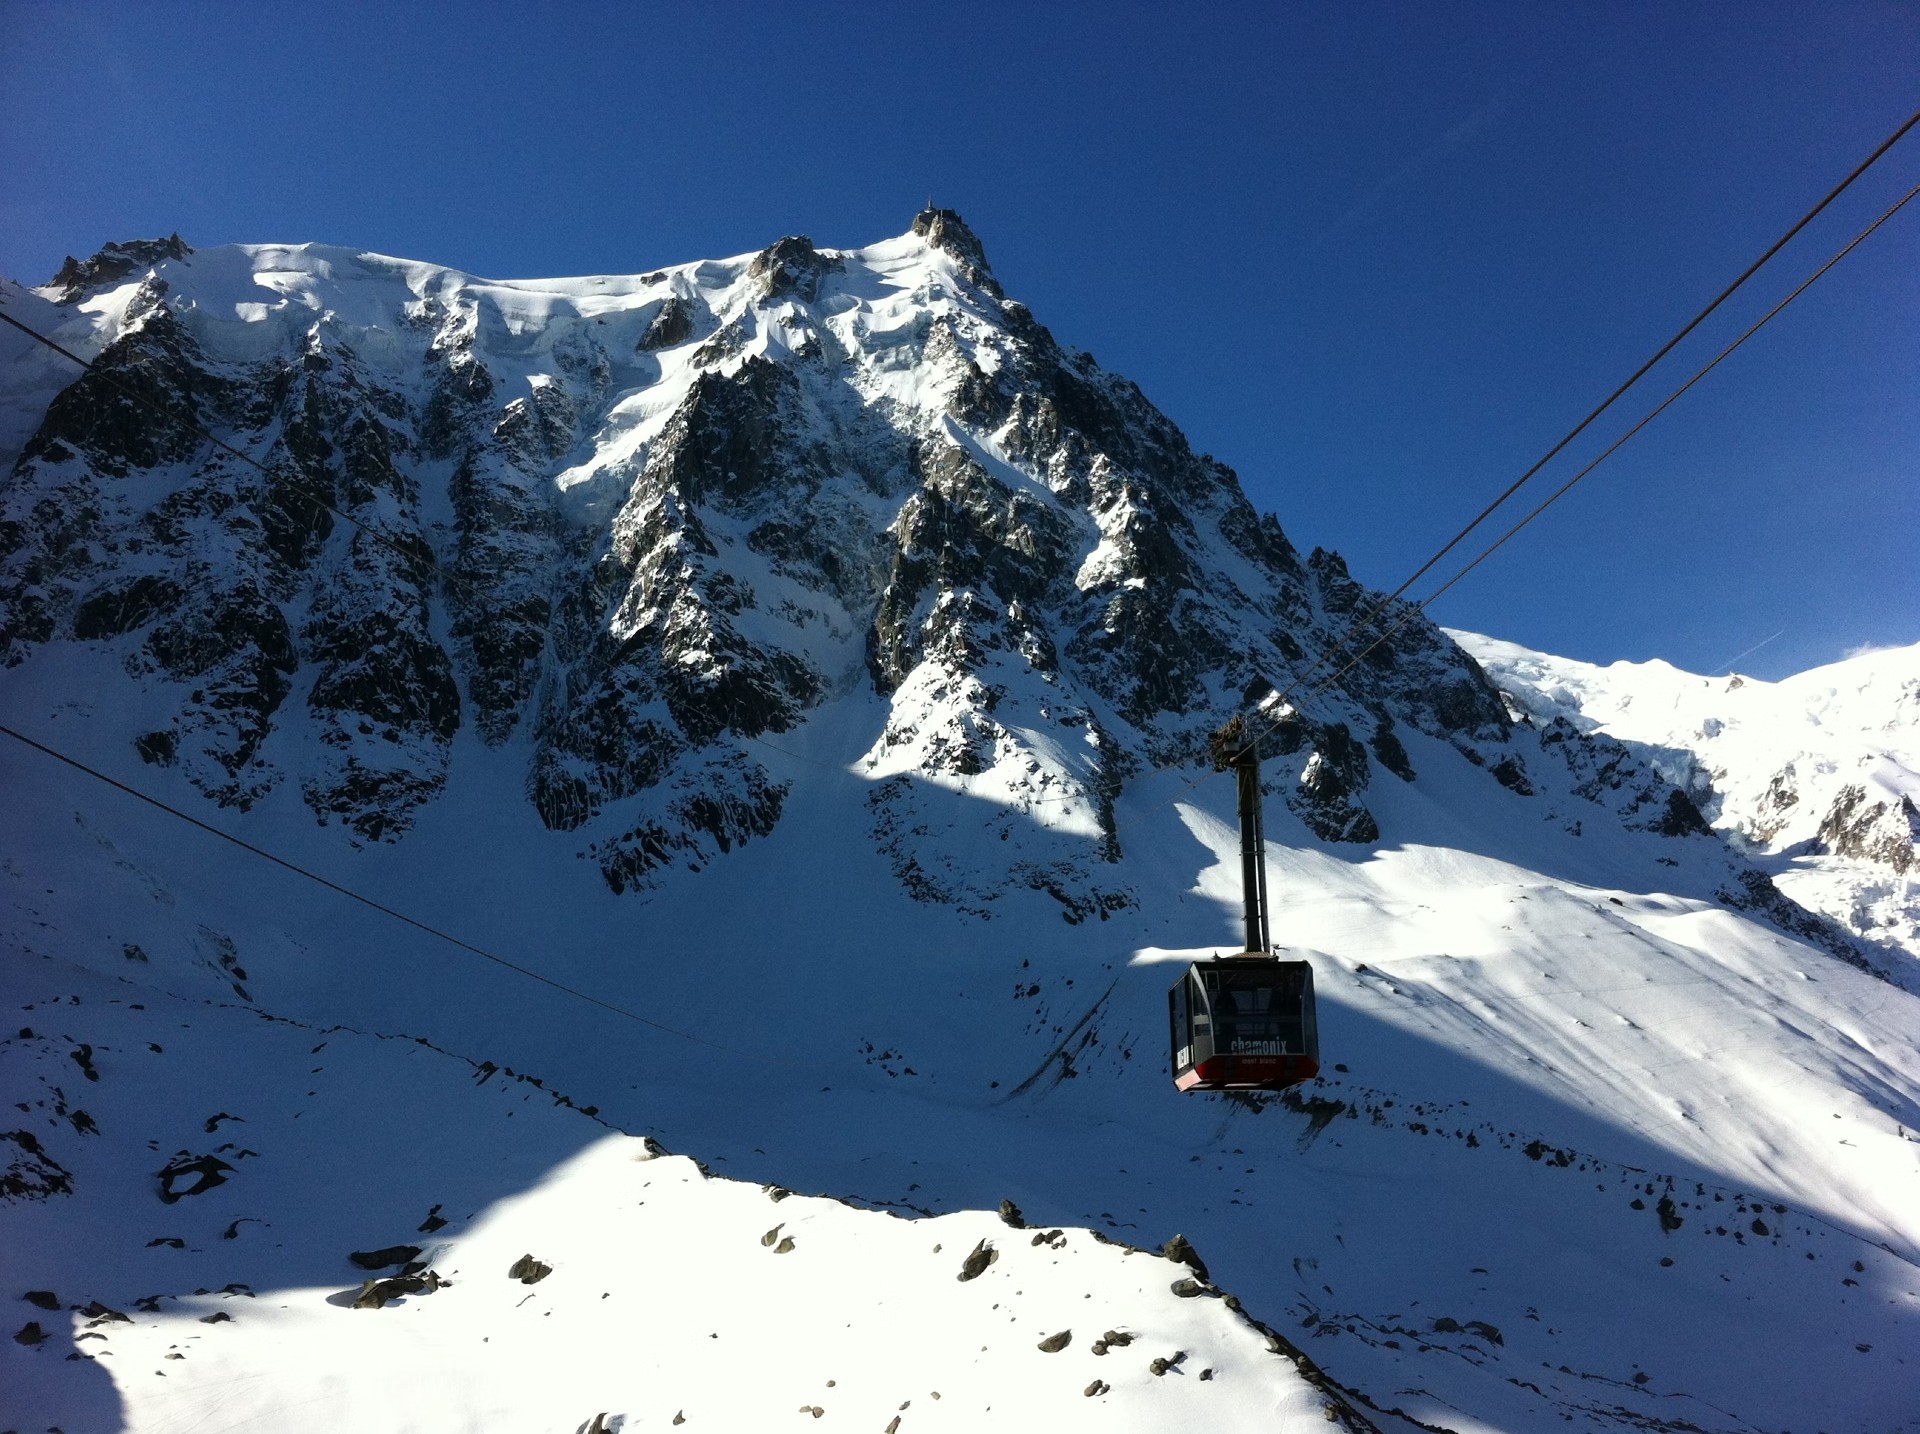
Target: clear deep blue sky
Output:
[{"x": 1376, "y": 257}]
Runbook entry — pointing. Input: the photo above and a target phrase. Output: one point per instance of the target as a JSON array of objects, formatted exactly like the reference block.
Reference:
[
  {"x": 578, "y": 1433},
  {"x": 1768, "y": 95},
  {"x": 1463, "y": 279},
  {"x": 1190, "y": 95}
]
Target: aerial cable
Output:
[
  {"x": 366, "y": 901},
  {"x": 1359, "y": 627},
  {"x": 1415, "y": 609},
  {"x": 1637, "y": 375}
]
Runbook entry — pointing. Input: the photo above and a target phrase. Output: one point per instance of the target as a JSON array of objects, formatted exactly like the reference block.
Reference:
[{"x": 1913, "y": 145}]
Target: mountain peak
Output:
[
  {"x": 945, "y": 229},
  {"x": 114, "y": 261},
  {"x": 792, "y": 267}
]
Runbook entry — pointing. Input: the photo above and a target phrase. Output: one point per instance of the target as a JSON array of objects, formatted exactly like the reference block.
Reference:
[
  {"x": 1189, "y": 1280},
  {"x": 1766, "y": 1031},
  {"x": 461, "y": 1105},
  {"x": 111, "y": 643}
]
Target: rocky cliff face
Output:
[{"x": 626, "y": 528}]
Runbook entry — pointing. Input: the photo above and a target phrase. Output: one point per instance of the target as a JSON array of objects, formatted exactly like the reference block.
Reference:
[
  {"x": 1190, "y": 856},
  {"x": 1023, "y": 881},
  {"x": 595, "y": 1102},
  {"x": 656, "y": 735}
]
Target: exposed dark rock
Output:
[
  {"x": 945, "y": 229},
  {"x": 792, "y": 268},
  {"x": 672, "y": 325},
  {"x": 1010, "y": 1215},
  {"x": 1389, "y": 751},
  {"x": 1886, "y": 832},
  {"x": 1181, "y": 1252},
  {"x": 389, "y": 1255},
  {"x": 29, "y": 1333},
  {"x": 1511, "y": 773},
  {"x": 113, "y": 263},
  {"x": 376, "y": 1294},
  {"x": 44, "y": 1299},
  {"x": 1054, "y": 1343},
  {"x": 203, "y": 1171},
  {"x": 976, "y": 1263},
  {"x": 1336, "y": 771},
  {"x": 528, "y": 1270}
]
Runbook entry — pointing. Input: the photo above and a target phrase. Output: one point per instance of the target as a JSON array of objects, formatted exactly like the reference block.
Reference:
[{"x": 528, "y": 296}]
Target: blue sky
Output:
[{"x": 1376, "y": 257}]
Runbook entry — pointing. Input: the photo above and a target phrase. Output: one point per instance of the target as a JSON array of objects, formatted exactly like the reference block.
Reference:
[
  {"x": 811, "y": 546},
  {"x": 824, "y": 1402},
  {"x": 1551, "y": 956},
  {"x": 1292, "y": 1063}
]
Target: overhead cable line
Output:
[
  {"x": 1611, "y": 398},
  {"x": 1358, "y": 628},
  {"x": 1417, "y": 608},
  {"x": 353, "y": 895}
]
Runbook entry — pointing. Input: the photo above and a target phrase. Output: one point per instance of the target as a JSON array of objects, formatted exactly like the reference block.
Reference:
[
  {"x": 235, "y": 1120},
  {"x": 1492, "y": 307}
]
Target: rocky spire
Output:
[
  {"x": 945, "y": 229},
  {"x": 114, "y": 261}
]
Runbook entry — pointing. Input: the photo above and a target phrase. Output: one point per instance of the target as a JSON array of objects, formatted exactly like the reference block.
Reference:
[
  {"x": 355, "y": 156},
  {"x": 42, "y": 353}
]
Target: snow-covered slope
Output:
[
  {"x": 808, "y": 656},
  {"x": 321, "y": 1254},
  {"x": 1819, "y": 772}
]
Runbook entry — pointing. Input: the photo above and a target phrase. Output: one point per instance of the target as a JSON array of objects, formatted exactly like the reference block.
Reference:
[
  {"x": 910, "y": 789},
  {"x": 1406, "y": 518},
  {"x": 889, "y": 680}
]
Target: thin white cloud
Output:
[{"x": 1459, "y": 135}]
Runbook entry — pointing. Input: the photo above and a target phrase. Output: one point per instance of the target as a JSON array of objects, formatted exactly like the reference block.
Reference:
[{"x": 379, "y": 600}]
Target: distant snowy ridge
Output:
[{"x": 1820, "y": 771}]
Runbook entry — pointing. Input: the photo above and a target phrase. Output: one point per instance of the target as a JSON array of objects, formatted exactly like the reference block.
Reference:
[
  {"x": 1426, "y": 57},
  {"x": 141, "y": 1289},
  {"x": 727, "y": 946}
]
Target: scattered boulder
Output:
[
  {"x": 375, "y": 1294},
  {"x": 30, "y": 1333},
  {"x": 528, "y": 1270},
  {"x": 1188, "y": 1288},
  {"x": 1180, "y": 1251},
  {"x": 205, "y": 1171},
  {"x": 1054, "y": 1343},
  {"x": 382, "y": 1258},
  {"x": 1099, "y": 1386},
  {"x": 772, "y": 1236},
  {"x": 976, "y": 1263},
  {"x": 1010, "y": 1215},
  {"x": 45, "y": 1299}
]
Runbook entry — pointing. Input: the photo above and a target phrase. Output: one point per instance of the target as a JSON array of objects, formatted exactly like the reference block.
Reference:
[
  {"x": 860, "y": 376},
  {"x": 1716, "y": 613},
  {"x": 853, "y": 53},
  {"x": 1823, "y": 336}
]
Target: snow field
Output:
[{"x": 670, "y": 1293}]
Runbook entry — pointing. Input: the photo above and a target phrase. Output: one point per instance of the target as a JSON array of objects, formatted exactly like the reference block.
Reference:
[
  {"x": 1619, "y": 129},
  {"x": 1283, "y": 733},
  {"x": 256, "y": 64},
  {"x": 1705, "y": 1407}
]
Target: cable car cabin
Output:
[{"x": 1244, "y": 1023}]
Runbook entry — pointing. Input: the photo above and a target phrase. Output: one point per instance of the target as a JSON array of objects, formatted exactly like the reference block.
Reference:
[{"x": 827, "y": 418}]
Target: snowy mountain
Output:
[
  {"x": 1817, "y": 776},
  {"x": 811, "y": 659}
]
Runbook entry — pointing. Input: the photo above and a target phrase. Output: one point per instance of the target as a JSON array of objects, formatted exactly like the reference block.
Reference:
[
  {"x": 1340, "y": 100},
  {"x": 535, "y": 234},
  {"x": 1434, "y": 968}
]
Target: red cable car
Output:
[{"x": 1245, "y": 1022}]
